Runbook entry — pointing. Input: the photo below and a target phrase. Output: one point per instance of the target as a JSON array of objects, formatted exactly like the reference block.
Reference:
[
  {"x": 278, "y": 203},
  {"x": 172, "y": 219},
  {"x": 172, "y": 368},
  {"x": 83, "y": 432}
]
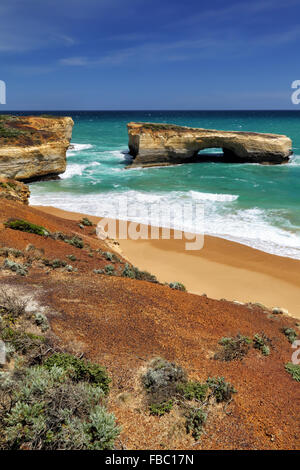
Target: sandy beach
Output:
[{"x": 222, "y": 269}]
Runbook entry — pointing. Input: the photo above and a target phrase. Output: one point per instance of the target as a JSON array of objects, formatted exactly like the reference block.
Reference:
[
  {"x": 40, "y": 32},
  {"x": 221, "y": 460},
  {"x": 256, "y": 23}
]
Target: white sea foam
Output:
[
  {"x": 254, "y": 227},
  {"x": 77, "y": 148},
  {"x": 74, "y": 169},
  {"x": 213, "y": 197}
]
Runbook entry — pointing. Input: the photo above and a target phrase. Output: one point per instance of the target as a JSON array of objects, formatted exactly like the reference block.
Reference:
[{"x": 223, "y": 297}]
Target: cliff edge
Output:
[{"x": 33, "y": 147}]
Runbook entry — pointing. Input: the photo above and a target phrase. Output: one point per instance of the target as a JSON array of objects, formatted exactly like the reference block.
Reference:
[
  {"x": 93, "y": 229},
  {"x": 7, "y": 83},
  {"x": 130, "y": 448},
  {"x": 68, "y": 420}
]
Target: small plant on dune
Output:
[
  {"x": 41, "y": 321},
  {"x": 15, "y": 267},
  {"x": 262, "y": 343},
  {"x": 46, "y": 410},
  {"x": 177, "y": 286},
  {"x": 167, "y": 386},
  {"x": 233, "y": 348},
  {"x": 221, "y": 390},
  {"x": 6, "y": 251},
  {"x": 134, "y": 273},
  {"x": 294, "y": 370},
  {"x": 109, "y": 269},
  {"x": 55, "y": 263},
  {"x": 24, "y": 226},
  {"x": 192, "y": 390},
  {"x": 195, "y": 420},
  {"x": 80, "y": 369},
  {"x": 75, "y": 241},
  {"x": 85, "y": 221},
  {"x": 160, "y": 409},
  {"x": 11, "y": 305},
  {"x": 162, "y": 378},
  {"x": 290, "y": 333},
  {"x": 72, "y": 257}
]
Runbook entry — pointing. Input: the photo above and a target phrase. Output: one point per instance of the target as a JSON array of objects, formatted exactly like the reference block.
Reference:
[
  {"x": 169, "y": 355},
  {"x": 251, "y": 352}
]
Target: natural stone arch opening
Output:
[{"x": 216, "y": 154}]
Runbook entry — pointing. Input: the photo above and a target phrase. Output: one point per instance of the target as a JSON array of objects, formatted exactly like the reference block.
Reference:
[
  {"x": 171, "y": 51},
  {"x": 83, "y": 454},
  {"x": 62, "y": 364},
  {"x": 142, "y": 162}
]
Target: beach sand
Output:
[{"x": 222, "y": 269}]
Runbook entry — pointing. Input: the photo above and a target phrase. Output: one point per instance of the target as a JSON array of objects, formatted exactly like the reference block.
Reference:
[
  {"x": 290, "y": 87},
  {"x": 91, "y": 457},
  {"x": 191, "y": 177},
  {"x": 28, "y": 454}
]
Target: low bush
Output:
[
  {"x": 167, "y": 385},
  {"x": 41, "y": 321},
  {"x": 45, "y": 410},
  {"x": 162, "y": 379},
  {"x": 262, "y": 343},
  {"x": 80, "y": 370},
  {"x": 233, "y": 348},
  {"x": 109, "y": 269},
  {"x": 12, "y": 306},
  {"x": 72, "y": 257},
  {"x": 192, "y": 390},
  {"x": 294, "y": 370},
  {"x": 55, "y": 263},
  {"x": 85, "y": 221},
  {"x": 75, "y": 241},
  {"x": 24, "y": 226},
  {"x": 20, "y": 269},
  {"x": 5, "y": 251},
  {"x": 134, "y": 273},
  {"x": 290, "y": 333},
  {"x": 221, "y": 390},
  {"x": 177, "y": 286},
  {"x": 159, "y": 409},
  {"x": 195, "y": 420}
]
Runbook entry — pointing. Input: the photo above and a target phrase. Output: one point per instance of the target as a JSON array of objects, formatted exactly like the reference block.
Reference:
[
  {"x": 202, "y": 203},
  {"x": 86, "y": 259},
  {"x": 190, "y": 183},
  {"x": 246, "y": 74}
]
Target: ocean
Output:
[{"x": 251, "y": 204}]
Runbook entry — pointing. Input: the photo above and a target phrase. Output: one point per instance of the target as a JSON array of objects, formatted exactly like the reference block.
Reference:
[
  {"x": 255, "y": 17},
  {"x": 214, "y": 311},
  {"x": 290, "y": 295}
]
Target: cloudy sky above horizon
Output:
[{"x": 142, "y": 54}]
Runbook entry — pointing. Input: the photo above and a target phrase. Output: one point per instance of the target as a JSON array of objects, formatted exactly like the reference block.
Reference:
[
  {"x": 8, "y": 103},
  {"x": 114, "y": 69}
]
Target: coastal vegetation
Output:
[
  {"x": 24, "y": 226},
  {"x": 49, "y": 399},
  {"x": 294, "y": 370},
  {"x": 290, "y": 333},
  {"x": 168, "y": 387}
]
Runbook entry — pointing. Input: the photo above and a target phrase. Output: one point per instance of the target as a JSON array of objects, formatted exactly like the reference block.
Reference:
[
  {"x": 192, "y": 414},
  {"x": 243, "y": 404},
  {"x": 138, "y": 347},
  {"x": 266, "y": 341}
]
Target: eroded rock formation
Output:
[
  {"x": 153, "y": 144},
  {"x": 33, "y": 147}
]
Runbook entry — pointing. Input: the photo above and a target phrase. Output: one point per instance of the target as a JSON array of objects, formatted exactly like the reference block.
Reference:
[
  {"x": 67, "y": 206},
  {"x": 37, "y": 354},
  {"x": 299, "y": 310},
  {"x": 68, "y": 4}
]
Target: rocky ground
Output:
[{"x": 124, "y": 323}]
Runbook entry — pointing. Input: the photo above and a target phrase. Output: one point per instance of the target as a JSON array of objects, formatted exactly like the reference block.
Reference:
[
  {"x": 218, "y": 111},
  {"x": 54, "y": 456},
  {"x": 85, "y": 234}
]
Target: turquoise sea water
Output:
[{"x": 252, "y": 204}]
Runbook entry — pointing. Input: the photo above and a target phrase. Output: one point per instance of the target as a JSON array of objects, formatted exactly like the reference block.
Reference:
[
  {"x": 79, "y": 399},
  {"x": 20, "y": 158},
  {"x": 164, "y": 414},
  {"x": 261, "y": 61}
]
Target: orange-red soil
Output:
[{"x": 124, "y": 323}]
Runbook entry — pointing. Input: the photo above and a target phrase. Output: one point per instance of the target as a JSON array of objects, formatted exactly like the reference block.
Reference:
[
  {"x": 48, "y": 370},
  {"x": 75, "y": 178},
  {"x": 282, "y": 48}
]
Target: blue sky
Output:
[{"x": 149, "y": 54}]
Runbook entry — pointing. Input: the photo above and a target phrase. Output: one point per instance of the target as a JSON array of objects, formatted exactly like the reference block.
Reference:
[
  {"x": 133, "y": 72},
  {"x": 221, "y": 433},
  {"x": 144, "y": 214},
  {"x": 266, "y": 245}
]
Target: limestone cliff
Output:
[
  {"x": 153, "y": 144},
  {"x": 33, "y": 147}
]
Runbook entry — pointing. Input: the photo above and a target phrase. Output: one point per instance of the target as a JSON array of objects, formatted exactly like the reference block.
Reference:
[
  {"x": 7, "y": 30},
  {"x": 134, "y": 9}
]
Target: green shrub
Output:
[
  {"x": 109, "y": 269},
  {"x": 24, "y": 226},
  {"x": 72, "y": 257},
  {"x": 195, "y": 420},
  {"x": 193, "y": 390},
  {"x": 21, "y": 341},
  {"x": 294, "y": 370},
  {"x": 5, "y": 251},
  {"x": 80, "y": 370},
  {"x": 134, "y": 273},
  {"x": 159, "y": 409},
  {"x": 41, "y": 321},
  {"x": 262, "y": 343},
  {"x": 15, "y": 267},
  {"x": 290, "y": 333},
  {"x": 177, "y": 286},
  {"x": 45, "y": 409},
  {"x": 233, "y": 348},
  {"x": 55, "y": 263},
  {"x": 85, "y": 221},
  {"x": 163, "y": 376},
  {"x": 75, "y": 241},
  {"x": 221, "y": 389}
]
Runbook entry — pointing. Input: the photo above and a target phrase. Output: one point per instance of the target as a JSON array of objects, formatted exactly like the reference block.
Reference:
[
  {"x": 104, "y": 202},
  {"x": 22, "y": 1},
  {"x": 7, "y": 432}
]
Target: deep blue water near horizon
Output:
[{"x": 253, "y": 204}]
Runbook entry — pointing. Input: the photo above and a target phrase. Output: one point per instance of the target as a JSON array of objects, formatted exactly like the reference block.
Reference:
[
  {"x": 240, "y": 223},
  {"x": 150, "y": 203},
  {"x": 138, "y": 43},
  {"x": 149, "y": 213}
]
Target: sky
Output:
[{"x": 149, "y": 54}]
